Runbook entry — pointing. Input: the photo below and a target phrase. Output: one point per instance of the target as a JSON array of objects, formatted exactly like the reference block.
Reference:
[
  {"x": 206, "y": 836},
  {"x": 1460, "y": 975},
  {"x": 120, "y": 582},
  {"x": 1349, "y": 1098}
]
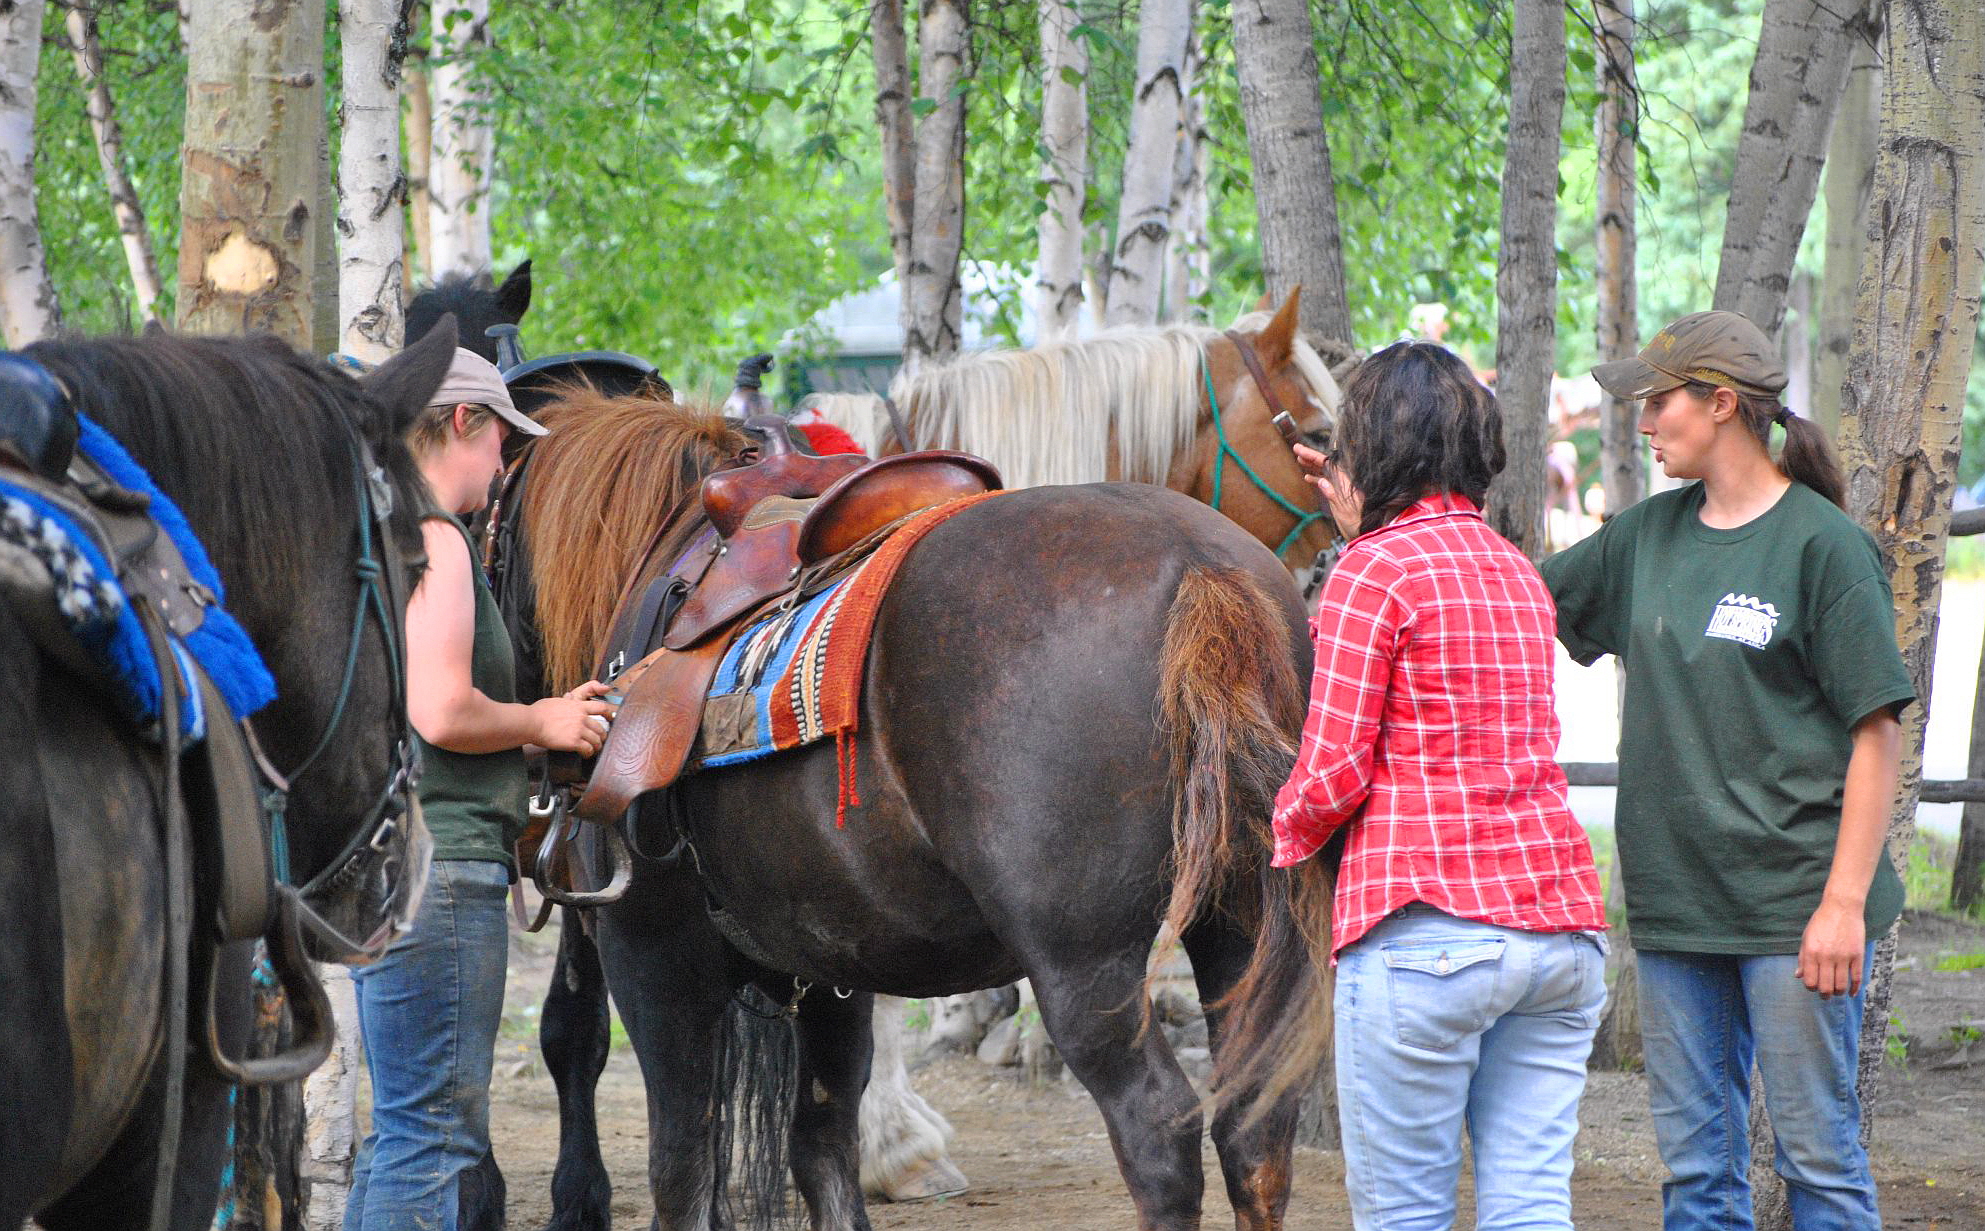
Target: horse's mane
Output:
[
  {"x": 1063, "y": 411},
  {"x": 611, "y": 474},
  {"x": 240, "y": 432}
]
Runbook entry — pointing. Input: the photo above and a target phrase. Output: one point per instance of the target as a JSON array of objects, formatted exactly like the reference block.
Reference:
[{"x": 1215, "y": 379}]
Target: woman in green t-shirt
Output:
[
  {"x": 1758, "y": 754},
  {"x": 429, "y": 1009}
]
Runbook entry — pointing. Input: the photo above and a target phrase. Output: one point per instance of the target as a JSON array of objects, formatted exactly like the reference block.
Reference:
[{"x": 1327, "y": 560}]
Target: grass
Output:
[{"x": 1926, "y": 875}]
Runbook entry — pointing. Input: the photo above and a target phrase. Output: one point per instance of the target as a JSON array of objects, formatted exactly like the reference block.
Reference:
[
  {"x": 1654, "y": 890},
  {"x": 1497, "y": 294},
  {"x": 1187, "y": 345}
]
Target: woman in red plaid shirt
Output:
[{"x": 1467, "y": 923}]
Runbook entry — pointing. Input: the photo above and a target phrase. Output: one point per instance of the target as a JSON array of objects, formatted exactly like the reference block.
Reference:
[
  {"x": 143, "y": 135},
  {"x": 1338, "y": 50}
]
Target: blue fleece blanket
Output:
[{"x": 100, "y": 615}]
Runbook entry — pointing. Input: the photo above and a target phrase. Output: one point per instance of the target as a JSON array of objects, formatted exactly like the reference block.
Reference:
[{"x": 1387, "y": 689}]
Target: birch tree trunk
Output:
[
  {"x": 1295, "y": 197},
  {"x": 1622, "y": 456},
  {"x": 933, "y": 305},
  {"x": 419, "y": 124},
  {"x": 1064, "y": 170},
  {"x": 28, "y": 307},
  {"x": 1850, "y": 180},
  {"x": 1803, "y": 51},
  {"x": 87, "y": 50},
  {"x": 1188, "y": 259},
  {"x": 1527, "y": 268},
  {"x": 248, "y": 198},
  {"x": 893, "y": 119},
  {"x": 1144, "y": 208},
  {"x": 464, "y": 142},
  {"x": 1916, "y": 317},
  {"x": 371, "y": 186}
]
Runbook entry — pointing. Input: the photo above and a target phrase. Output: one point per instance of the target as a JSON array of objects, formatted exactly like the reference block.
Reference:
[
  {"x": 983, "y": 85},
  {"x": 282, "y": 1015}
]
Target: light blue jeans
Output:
[
  {"x": 1703, "y": 1018},
  {"x": 429, "y": 1011},
  {"x": 1445, "y": 1022}
]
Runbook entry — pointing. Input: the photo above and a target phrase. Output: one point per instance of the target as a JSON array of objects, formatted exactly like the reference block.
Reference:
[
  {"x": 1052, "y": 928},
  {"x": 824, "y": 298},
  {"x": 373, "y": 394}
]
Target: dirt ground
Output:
[{"x": 1039, "y": 1156}]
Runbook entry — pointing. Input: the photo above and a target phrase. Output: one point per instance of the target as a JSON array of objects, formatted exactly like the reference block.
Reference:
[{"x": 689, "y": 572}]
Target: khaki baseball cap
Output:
[
  {"x": 1711, "y": 348},
  {"x": 474, "y": 379}
]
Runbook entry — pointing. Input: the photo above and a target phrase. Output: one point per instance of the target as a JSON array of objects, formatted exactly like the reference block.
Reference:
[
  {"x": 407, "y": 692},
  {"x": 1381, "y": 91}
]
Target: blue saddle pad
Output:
[
  {"x": 737, "y": 717},
  {"x": 99, "y": 614}
]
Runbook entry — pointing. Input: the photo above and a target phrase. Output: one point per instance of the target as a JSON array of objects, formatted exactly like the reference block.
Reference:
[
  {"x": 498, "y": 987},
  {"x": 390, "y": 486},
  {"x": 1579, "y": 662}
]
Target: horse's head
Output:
[
  {"x": 477, "y": 302},
  {"x": 1246, "y": 469},
  {"x": 297, "y": 480}
]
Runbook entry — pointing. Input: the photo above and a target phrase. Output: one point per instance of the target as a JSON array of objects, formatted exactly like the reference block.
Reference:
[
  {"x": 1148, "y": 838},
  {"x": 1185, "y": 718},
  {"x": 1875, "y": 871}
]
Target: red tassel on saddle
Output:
[{"x": 844, "y": 762}]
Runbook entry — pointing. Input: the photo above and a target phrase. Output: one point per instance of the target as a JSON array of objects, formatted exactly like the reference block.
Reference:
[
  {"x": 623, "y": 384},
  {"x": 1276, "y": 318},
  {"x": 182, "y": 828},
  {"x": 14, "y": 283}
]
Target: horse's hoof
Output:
[{"x": 926, "y": 1180}]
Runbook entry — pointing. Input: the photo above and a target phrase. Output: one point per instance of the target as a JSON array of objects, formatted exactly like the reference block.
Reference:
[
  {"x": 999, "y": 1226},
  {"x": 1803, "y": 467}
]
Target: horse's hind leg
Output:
[
  {"x": 573, "y": 1035},
  {"x": 1092, "y": 1012},
  {"x": 834, "y": 1050},
  {"x": 1255, "y": 1159}
]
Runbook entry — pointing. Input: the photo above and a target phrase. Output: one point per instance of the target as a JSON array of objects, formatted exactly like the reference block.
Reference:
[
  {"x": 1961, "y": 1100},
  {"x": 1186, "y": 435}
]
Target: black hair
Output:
[
  {"x": 1414, "y": 420},
  {"x": 1808, "y": 456}
]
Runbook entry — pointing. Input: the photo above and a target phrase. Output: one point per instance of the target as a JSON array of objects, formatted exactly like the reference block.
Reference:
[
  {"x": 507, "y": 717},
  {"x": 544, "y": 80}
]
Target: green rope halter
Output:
[{"x": 1303, "y": 519}]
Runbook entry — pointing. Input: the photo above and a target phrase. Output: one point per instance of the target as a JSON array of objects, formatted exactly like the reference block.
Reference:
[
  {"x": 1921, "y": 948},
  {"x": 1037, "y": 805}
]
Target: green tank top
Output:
[{"x": 474, "y": 802}]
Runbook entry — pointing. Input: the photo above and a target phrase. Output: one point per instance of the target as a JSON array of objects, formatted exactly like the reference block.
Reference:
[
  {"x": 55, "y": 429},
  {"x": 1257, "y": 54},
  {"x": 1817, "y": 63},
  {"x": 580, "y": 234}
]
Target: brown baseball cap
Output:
[
  {"x": 475, "y": 380},
  {"x": 1711, "y": 348}
]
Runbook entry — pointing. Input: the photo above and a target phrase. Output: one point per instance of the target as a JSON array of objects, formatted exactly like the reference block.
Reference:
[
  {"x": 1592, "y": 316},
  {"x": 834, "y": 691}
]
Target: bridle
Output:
[
  {"x": 1253, "y": 362},
  {"x": 378, "y": 598}
]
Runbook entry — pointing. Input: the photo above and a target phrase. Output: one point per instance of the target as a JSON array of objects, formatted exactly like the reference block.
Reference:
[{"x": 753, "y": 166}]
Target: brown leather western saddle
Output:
[{"x": 782, "y": 528}]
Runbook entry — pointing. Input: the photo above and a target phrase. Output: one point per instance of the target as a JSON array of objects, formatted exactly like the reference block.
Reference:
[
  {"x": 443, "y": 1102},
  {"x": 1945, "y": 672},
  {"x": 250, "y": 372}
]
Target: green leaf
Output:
[{"x": 921, "y": 107}]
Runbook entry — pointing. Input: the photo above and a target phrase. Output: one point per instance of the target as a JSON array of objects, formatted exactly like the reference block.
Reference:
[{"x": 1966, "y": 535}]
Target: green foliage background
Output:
[{"x": 693, "y": 181}]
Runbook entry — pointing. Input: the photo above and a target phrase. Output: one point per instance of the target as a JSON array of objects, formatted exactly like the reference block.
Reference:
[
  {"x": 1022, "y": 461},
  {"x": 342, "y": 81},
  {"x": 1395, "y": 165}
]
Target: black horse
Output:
[
  {"x": 261, "y": 447},
  {"x": 476, "y": 302},
  {"x": 1077, "y": 706}
]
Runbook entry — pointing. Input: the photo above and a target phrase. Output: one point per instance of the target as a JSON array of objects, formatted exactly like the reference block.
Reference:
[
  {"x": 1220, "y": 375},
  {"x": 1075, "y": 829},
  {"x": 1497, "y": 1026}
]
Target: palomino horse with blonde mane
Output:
[
  {"x": 1077, "y": 705},
  {"x": 1175, "y": 405}
]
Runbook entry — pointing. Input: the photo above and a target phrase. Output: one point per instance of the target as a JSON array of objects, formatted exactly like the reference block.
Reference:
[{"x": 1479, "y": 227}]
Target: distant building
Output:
[{"x": 855, "y": 344}]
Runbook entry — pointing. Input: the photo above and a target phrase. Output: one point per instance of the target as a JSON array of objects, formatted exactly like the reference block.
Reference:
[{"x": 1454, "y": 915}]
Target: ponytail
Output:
[{"x": 1808, "y": 455}]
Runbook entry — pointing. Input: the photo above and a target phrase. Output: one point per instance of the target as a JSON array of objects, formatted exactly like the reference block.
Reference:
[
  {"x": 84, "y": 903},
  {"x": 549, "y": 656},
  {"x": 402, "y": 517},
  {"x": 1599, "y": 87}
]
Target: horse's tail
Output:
[
  {"x": 757, "y": 1089},
  {"x": 1230, "y": 702}
]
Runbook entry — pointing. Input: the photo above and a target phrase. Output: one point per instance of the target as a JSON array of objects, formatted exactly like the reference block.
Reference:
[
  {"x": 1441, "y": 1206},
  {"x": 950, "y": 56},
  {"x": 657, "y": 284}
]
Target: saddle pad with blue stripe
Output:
[{"x": 752, "y": 680}]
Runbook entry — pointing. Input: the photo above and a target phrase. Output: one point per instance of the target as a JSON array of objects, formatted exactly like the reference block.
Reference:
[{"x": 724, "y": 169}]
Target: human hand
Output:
[
  {"x": 1312, "y": 461},
  {"x": 1833, "y": 948},
  {"x": 576, "y": 722}
]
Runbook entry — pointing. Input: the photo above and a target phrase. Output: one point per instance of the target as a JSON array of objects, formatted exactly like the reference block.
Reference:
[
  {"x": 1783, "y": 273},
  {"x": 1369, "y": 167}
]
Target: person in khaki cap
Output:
[
  {"x": 1758, "y": 751},
  {"x": 430, "y": 1008}
]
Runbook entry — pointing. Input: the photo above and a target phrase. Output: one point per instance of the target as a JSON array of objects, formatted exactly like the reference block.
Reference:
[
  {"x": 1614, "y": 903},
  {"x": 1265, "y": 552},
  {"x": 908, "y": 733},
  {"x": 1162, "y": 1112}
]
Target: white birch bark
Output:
[
  {"x": 87, "y": 51},
  {"x": 1622, "y": 457},
  {"x": 890, "y": 48},
  {"x": 1144, "y": 208},
  {"x": 28, "y": 307},
  {"x": 330, "y": 1102},
  {"x": 1527, "y": 268},
  {"x": 1902, "y": 413},
  {"x": 1803, "y": 52},
  {"x": 933, "y": 305},
  {"x": 249, "y": 192},
  {"x": 1289, "y": 150},
  {"x": 464, "y": 141},
  {"x": 1850, "y": 181},
  {"x": 371, "y": 187},
  {"x": 1188, "y": 257},
  {"x": 419, "y": 125},
  {"x": 1064, "y": 171}
]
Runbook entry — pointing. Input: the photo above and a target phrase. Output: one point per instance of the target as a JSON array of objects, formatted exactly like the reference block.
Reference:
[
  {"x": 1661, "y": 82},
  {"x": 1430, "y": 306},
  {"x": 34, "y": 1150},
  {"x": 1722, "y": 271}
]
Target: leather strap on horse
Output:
[
  {"x": 1248, "y": 356},
  {"x": 178, "y": 916}
]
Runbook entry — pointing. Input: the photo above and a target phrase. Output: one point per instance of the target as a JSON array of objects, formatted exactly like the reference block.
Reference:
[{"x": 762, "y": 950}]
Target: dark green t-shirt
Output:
[
  {"x": 473, "y": 803},
  {"x": 1750, "y": 654}
]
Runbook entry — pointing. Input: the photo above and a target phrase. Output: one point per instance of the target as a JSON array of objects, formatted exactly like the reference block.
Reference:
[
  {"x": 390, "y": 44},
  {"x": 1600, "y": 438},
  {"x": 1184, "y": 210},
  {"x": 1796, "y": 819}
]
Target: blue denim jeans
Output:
[
  {"x": 1703, "y": 1018},
  {"x": 1444, "y": 1023},
  {"x": 428, "y": 1011}
]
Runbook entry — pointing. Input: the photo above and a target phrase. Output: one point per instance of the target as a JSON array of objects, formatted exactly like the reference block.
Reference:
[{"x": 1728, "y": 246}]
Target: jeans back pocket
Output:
[{"x": 1443, "y": 989}]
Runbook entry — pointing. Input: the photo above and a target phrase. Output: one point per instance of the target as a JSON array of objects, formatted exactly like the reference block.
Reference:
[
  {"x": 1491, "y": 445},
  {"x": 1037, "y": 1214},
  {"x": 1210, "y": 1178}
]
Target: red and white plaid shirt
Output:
[{"x": 1432, "y": 735}]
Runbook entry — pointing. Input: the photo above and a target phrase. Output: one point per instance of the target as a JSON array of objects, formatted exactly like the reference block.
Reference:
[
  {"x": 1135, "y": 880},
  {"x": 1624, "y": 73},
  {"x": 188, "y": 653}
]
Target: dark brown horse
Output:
[
  {"x": 264, "y": 451},
  {"x": 1078, "y": 704}
]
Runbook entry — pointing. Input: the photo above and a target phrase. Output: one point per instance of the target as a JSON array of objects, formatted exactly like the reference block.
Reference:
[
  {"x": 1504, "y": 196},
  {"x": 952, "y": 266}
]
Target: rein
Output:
[
  {"x": 1303, "y": 519},
  {"x": 375, "y": 598}
]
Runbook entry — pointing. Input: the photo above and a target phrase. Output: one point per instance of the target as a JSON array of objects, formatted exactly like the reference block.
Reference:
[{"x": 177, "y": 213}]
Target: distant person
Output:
[
  {"x": 1758, "y": 750},
  {"x": 1468, "y": 919}
]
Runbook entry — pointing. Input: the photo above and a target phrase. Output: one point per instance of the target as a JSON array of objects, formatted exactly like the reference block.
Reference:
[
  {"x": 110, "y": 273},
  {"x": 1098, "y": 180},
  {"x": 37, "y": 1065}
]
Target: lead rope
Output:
[{"x": 1303, "y": 519}]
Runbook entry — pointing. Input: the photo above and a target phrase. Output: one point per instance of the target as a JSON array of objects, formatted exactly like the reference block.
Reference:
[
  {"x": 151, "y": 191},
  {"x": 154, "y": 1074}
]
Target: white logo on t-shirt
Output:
[{"x": 1739, "y": 617}]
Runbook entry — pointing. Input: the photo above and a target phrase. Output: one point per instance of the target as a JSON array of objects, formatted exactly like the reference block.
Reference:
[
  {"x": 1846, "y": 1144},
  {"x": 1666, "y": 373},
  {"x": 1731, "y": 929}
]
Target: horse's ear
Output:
[
  {"x": 1277, "y": 339},
  {"x": 513, "y": 298},
  {"x": 405, "y": 384},
  {"x": 1266, "y": 303}
]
